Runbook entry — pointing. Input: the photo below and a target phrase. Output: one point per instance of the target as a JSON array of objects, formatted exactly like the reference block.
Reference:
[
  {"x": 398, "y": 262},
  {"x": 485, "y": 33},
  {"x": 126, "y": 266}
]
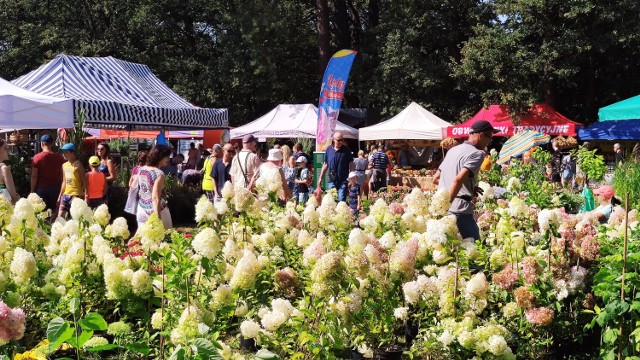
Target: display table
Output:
[{"x": 423, "y": 182}]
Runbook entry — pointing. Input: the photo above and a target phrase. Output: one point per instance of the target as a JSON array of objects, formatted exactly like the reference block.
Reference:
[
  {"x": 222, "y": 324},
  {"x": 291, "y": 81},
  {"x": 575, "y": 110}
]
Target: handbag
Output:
[{"x": 131, "y": 206}]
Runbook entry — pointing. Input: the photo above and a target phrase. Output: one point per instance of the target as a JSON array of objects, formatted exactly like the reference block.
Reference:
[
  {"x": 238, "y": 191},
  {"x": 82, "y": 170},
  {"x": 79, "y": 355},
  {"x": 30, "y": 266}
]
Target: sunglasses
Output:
[{"x": 338, "y": 139}]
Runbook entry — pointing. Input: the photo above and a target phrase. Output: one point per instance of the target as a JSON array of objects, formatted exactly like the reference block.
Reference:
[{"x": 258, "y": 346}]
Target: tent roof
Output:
[
  {"x": 611, "y": 130},
  {"x": 23, "y": 109},
  {"x": 414, "y": 122},
  {"x": 104, "y": 134},
  {"x": 115, "y": 93},
  {"x": 541, "y": 117},
  {"x": 628, "y": 109},
  {"x": 289, "y": 121}
]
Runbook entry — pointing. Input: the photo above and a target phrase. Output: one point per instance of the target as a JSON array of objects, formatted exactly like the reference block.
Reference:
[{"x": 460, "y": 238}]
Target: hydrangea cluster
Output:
[
  {"x": 205, "y": 210},
  {"x": 151, "y": 233},
  {"x": 12, "y": 323}
]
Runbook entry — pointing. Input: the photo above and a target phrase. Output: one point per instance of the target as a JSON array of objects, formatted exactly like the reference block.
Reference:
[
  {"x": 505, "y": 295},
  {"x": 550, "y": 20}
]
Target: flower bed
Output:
[{"x": 298, "y": 282}]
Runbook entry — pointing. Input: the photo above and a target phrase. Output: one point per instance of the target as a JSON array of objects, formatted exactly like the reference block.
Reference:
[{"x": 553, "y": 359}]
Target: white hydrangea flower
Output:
[
  {"x": 156, "y": 320},
  {"x": 151, "y": 233},
  {"x": 23, "y": 212},
  {"x": 477, "y": 286},
  {"x": 141, "y": 283},
  {"x": 206, "y": 243},
  {"x": 118, "y": 229},
  {"x": 101, "y": 215},
  {"x": 497, "y": 345},
  {"x": 513, "y": 184},
  {"x": 227, "y": 191},
  {"x": 205, "y": 210},
  {"x": 244, "y": 274},
  {"x": 221, "y": 207},
  {"x": 546, "y": 217},
  {"x": 80, "y": 210},
  {"x": 250, "y": 329},
  {"x": 401, "y": 313},
  {"x": 440, "y": 203},
  {"x": 36, "y": 202},
  {"x": 23, "y": 266},
  {"x": 446, "y": 338}
]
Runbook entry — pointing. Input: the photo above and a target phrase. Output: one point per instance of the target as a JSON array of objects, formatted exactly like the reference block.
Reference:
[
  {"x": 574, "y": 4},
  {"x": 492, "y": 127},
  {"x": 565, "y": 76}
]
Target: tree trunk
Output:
[
  {"x": 324, "y": 35},
  {"x": 341, "y": 22}
]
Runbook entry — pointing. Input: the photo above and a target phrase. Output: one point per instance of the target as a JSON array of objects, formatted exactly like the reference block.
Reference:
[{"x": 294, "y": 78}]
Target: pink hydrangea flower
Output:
[
  {"x": 506, "y": 278},
  {"x": 12, "y": 323},
  {"x": 396, "y": 208},
  {"x": 540, "y": 316}
]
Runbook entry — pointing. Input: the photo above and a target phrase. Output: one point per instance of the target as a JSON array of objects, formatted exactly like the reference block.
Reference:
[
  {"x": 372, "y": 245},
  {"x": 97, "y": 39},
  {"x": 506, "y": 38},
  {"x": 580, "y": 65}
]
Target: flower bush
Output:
[{"x": 305, "y": 282}]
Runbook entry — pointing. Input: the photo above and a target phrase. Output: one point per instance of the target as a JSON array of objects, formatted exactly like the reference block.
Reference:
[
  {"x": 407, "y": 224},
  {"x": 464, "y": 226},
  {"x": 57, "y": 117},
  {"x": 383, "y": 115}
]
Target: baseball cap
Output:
[
  {"x": 68, "y": 147},
  {"x": 606, "y": 191},
  {"x": 481, "y": 126},
  {"x": 352, "y": 175},
  {"x": 248, "y": 139},
  {"x": 46, "y": 138},
  {"x": 301, "y": 159},
  {"x": 94, "y": 160}
]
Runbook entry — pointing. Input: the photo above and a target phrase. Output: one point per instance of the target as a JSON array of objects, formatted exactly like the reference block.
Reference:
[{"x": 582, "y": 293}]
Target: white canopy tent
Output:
[
  {"x": 289, "y": 121},
  {"x": 23, "y": 109},
  {"x": 412, "y": 123}
]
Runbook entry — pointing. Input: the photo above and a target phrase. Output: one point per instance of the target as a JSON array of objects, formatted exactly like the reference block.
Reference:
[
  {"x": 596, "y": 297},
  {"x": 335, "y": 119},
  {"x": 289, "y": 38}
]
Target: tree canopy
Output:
[{"x": 451, "y": 56}]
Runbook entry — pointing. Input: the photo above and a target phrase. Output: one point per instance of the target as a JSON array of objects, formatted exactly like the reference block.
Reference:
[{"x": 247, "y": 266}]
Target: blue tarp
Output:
[
  {"x": 611, "y": 130},
  {"x": 119, "y": 94}
]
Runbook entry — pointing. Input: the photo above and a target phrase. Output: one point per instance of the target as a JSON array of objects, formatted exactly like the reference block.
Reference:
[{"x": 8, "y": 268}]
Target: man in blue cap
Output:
[{"x": 46, "y": 174}]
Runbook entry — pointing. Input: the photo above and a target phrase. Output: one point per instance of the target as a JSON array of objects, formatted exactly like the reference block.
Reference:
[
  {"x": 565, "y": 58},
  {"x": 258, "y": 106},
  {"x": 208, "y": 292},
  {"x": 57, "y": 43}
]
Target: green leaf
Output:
[
  {"x": 178, "y": 354},
  {"x": 265, "y": 354},
  {"x": 58, "y": 331},
  {"x": 139, "y": 348},
  {"x": 100, "y": 348},
  {"x": 93, "y": 321},
  {"x": 206, "y": 349},
  {"x": 82, "y": 339},
  {"x": 610, "y": 336},
  {"x": 74, "y": 306}
]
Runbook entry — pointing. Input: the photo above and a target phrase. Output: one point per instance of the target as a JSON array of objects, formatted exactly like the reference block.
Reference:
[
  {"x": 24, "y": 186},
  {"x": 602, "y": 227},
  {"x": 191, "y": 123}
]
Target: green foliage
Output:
[
  {"x": 590, "y": 164},
  {"x": 626, "y": 179}
]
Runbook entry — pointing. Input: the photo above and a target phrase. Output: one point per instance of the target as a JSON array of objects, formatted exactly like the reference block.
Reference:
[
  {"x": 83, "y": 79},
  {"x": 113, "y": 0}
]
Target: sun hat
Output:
[
  {"x": 248, "y": 139},
  {"x": 46, "y": 138},
  {"x": 68, "y": 147},
  {"x": 301, "y": 159},
  {"x": 481, "y": 126},
  {"x": 275, "y": 155},
  {"x": 352, "y": 175},
  {"x": 606, "y": 191},
  {"x": 94, "y": 160}
]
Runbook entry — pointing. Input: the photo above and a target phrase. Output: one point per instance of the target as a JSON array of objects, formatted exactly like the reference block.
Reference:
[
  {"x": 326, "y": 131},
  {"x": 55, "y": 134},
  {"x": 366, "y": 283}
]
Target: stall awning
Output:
[
  {"x": 414, "y": 123},
  {"x": 104, "y": 134},
  {"x": 628, "y": 109},
  {"x": 289, "y": 121},
  {"x": 541, "y": 117},
  {"x": 23, "y": 109},
  {"x": 611, "y": 130},
  {"x": 119, "y": 94}
]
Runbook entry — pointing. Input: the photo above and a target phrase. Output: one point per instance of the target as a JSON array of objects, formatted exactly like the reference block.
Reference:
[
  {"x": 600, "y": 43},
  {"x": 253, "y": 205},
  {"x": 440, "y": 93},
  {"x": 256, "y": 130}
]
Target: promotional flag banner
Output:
[{"x": 334, "y": 83}]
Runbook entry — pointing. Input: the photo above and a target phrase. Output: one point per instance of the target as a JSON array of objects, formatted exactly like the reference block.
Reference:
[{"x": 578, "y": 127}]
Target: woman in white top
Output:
[
  {"x": 7, "y": 188},
  {"x": 273, "y": 164}
]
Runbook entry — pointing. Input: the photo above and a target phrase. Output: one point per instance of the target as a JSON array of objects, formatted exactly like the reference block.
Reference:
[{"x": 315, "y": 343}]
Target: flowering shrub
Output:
[{"x": 303, "y": 281}]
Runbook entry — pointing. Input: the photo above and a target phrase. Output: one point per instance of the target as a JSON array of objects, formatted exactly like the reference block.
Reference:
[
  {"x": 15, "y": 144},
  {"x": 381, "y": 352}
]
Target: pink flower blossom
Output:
[
  {"x": 396, "y": 208},
  {"x": 524, "y": 297},
  {"x": 530, "y": 269},
  {"x": 11, "y": 323},
  {"x": 590, "y": 248},
  {"x": 506, "y": 278},
  {"x": 402, "y": 261},
  {"x": 540, "y": 316}
]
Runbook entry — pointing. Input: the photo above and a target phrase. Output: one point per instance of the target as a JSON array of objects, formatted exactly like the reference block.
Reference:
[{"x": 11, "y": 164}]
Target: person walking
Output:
[
  {"x": 458, "y": 173},
  {"x": 619, "y": 155},
  {"x": 360, "y": 165},
  {"x": 74, "y": 180},
  {"x": 207, "y": 180},
  {"x": 96, "y": 184},
  {"x": 46, "y": 174},
  {"x": 151, "y": 187},
  {"x": 245, "y": 163},
  {"x": 107, "y": 167},
  {"x": 192, "y": 156},
  {"x": 380, "y": 161},
  {"x": 7, "y": 187},
  {"x": 141, "y": 160},
  {"x": 220, "y": 172},
  {"x": 355, "y": 195},
  {"x": 338, "y": 161}
]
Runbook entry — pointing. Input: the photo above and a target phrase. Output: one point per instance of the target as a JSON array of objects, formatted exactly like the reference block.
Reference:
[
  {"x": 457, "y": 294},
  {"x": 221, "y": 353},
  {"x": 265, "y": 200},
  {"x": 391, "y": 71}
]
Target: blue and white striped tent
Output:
[{"x": 119, "y": 94}]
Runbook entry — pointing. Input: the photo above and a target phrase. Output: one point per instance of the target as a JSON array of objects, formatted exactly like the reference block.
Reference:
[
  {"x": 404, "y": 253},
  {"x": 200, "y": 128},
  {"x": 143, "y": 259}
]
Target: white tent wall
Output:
[
  {"x": 412, "y": 123},
  {"x": 289, "y": 121},
  {"x": 23, "y": 109}
]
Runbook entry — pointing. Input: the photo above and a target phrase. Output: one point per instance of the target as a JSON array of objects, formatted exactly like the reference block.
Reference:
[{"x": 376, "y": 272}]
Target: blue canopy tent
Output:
[
  {"x": 611, "y": 130},
  {"x": 116, "y": 94}
]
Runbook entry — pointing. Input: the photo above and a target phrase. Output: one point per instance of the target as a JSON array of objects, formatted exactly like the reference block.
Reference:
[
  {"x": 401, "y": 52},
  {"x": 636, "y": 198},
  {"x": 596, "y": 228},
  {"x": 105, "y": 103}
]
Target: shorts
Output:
[
  {"x": 65, "y": 202},
  {"x": 94, "y": 203},
  {"x": 49, "y": 195},
  {"x": 567, "y": 174}
]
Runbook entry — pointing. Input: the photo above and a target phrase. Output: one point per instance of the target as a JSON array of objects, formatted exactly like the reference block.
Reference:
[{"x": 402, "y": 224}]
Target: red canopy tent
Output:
[{"x": 541, "y": 117}]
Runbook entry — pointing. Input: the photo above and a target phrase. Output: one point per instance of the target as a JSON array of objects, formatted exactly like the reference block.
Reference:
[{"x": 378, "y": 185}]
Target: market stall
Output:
[
  {"x": 541, "y": 117},
  {"x": 413, "y": 133}
]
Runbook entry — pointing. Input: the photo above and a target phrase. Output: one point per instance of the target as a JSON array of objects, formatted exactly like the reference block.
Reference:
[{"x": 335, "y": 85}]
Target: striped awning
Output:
[
  {"x": 520, "y": 143},
  {"x": 116, "y": 94}
]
